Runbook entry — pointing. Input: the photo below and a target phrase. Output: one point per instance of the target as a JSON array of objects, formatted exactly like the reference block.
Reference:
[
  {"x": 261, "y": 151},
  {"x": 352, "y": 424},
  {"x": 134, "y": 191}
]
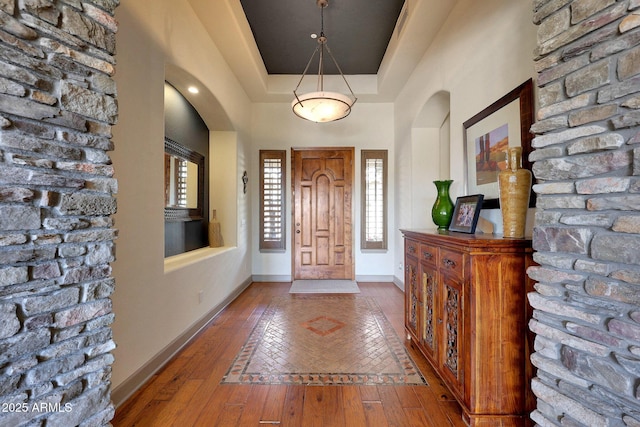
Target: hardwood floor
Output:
[{"x": 187, "y": 391}]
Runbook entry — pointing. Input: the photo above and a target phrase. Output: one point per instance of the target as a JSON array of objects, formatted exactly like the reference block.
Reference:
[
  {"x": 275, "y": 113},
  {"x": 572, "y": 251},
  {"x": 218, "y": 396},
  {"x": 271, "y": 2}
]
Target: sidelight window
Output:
[
  {"x": 374, "y": 199},
  {"x": 272, "y": 199}
]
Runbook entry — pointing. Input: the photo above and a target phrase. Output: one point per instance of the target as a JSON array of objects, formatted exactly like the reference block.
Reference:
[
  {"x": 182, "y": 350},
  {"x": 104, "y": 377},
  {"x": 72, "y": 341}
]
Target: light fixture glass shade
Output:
[{"x": 322, "y": 107}]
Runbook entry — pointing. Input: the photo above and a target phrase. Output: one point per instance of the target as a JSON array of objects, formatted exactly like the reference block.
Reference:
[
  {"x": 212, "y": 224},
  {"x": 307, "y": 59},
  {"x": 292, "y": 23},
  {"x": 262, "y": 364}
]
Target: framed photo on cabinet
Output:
[{"x": 466, "y": 213}]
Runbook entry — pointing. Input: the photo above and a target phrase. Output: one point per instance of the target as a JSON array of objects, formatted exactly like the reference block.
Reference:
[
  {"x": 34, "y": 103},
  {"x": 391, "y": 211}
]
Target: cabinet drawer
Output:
[
  {"x": 411, "y": 247},
  {"x": 429, "y": 254},
  {"x": 452, "y": 263}
]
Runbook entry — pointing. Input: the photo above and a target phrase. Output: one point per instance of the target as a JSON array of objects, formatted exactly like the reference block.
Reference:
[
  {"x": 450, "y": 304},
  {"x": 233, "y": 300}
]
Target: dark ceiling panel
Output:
[{"x": 357, "y": 31}]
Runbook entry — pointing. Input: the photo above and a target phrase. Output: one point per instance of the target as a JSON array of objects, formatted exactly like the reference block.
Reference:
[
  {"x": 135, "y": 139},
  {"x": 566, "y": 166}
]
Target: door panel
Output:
[
  {"x": 453, "y": 323},
  {"x": 322, "y": 236}
]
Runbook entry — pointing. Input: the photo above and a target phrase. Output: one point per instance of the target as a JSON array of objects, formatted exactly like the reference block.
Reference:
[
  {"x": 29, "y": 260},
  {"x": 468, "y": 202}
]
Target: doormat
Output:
[
  {"x": 324, "y": 287},
  {"x": 323, "y": 340}
]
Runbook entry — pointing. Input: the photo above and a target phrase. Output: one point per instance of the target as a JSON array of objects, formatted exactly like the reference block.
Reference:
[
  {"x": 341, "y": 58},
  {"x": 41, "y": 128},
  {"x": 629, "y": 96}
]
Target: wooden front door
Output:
[{"x": 322, "y": 229}]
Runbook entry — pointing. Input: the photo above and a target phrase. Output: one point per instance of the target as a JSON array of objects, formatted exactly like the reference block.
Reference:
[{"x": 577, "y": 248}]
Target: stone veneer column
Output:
[
  {"x": 587, "y": 230},
  {"x": 57, "y": 107}
]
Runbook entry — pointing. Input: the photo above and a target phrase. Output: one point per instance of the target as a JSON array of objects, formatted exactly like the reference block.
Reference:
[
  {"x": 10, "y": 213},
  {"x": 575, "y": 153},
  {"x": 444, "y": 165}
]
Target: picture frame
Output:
[
  {"x": 488, "y": 134},
  {"x": 466, "y": 213}
]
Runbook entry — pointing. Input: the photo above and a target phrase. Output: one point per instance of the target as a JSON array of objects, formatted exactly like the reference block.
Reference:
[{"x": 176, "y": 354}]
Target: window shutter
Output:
[
  {"x": 272, "y": 199},
  {"x": 374, "y": 199}
]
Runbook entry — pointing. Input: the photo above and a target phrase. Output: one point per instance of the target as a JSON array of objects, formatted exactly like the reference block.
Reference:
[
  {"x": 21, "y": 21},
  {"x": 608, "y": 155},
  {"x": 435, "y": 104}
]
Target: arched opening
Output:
[
  {"x": 210, "y": 132},
  {"x": 430, "y": 143}
]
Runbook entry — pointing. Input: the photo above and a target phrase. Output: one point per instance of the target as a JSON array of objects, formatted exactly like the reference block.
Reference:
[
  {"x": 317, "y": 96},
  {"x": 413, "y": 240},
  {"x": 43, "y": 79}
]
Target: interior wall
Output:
[
  {"x": 445, "y": 147},
  {"x": 369, "y": 126},
  {"x": 425, "y": 168},
  {"x": 482, "y": 52},
  {"x": 155, "y": 306},
  {"x": 430, "y": 155},
  {"x": 225, "y": 187}
]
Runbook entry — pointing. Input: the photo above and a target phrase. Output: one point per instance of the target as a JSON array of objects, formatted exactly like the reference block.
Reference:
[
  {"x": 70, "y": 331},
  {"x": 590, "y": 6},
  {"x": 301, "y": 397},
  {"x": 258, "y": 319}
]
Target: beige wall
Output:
[
  {"x": 154, "y": 305},
  {"x": 483, "y": 51},
  {"x": 369, "y": 126}
]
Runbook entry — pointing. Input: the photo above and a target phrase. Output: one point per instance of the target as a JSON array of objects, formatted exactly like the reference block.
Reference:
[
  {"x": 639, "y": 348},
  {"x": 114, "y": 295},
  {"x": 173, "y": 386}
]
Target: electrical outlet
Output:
[
  {"x": 200, "y": 296},
  {"x": 400, "y": 266}
]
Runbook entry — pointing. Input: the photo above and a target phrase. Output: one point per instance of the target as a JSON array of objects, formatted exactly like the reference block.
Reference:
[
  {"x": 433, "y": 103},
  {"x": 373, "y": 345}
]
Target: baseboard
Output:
[
  {"x": 398, "y": 283},
  {"x": 364, "y": 278},
  {"x": 125, "y": 390},
  {"x": 271, "y": 278},
  {"x": 287, "y": 278}
]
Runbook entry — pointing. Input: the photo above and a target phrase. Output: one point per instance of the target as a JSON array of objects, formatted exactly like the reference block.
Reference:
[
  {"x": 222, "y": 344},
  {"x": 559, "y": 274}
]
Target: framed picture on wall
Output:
[
  {"x": 489, "y": 134},
  {"x": 466, "y": 213}
]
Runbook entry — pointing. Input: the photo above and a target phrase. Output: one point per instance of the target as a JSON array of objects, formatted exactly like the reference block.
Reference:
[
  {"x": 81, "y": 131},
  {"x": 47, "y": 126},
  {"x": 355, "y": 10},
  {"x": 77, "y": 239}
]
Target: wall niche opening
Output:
[{"x": 185, "y": 228}]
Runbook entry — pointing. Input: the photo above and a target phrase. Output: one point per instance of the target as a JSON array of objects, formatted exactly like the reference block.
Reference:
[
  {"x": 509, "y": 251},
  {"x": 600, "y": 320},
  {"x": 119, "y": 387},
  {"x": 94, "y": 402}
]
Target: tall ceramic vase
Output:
[
  {"x": 442, "y": 210},
  {"x": 215, "y": 234},
  {"x": 515, "y": 189}
]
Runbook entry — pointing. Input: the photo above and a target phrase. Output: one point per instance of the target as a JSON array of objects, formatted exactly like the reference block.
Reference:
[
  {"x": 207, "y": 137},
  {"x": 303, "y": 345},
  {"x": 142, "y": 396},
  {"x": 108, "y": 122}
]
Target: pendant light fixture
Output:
[{"x": 322, "y": 106}]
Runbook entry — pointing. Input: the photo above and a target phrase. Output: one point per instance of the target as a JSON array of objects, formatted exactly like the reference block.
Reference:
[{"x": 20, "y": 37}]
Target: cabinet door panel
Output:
[
  {"x": 411, "y": 296},
  {"x": 452, "y": 332},
  {"x": 429, "y": 306}
]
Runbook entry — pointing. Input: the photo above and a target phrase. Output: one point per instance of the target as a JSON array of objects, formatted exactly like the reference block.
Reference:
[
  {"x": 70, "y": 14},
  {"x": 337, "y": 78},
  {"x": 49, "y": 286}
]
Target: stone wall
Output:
[
  {"x": 587, "y": 231},
  {"x": 57, "y": 107}
]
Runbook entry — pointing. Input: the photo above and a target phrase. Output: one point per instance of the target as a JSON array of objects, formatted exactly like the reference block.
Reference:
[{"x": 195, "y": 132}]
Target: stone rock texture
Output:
[
  {"x": 586, "y": 304},
  {"x": 57, "y": 196}
]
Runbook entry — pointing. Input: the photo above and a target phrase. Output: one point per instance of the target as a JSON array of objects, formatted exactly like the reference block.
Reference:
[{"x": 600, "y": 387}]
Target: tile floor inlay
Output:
[
  {"x": 323, "y": 340},
  {"x": 323, "y": 325}
]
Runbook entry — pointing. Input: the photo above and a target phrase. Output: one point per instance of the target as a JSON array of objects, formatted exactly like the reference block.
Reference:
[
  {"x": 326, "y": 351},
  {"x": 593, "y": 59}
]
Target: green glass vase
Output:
[{"x": 442, "y": 210}]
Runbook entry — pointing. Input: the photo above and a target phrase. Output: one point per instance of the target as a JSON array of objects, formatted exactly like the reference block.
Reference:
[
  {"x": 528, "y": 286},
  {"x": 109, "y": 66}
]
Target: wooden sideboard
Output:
[{"x": 466, "y": 310}]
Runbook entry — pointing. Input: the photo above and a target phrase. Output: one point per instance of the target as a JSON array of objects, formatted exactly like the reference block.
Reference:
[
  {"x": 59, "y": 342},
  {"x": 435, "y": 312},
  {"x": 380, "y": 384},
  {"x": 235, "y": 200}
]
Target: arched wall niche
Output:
[
  {"x": 223, "y": 153},
  {"x": 430, "y": 142},
  {"x": 204, "y": 102}
]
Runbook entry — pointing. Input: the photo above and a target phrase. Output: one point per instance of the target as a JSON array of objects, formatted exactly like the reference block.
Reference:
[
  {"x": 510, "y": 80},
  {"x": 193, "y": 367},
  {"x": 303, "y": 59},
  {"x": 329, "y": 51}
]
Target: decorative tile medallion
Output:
[
  {"x": 323, "y": 325},
  {"x": 323, "y": 340}
]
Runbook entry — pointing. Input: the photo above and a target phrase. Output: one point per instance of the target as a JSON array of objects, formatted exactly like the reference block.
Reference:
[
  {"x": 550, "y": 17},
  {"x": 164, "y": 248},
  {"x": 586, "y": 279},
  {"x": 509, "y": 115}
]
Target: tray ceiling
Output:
[{"x": 357, "y": 31}]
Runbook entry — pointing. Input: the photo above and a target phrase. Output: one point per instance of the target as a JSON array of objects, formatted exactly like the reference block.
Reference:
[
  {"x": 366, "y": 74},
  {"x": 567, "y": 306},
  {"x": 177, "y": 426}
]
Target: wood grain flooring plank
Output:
[
  {"x": 453, "y": 412},
  {"x": 353, "y": 407},
  {"x": 433, "y": 407},
  {"x": 274, "y": 405},
  {"x": 293, "y": 408},
  {"x": 229, "y": 415},
  {"x": 171, "y": 378},
  {"x": 236, "y": 394},
  {"x": 135, "y": 404},
  {"x": 251, "y": 413},
  {"x": 208, "y": 359},
  {"x": 213, "y": 401},
  {"x": 369, "y": 393},
  {"x": 416, "y": 417},
  {"x": 374, "y": 414},
  {"x": 146, "y": 418},
  {"x": 333, "y": 408},
  {"x": 210, "y": 389},
  {"x": 408, "y": 397},
  {"x": 312, "y": 411},
  {"x": 393, "y": 409},
  {"x": 170, "y": 412}
]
